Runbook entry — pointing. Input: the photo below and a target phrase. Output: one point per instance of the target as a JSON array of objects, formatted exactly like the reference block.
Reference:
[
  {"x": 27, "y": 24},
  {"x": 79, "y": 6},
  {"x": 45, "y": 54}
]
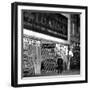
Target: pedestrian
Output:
[{"x": 60, "y": 65}]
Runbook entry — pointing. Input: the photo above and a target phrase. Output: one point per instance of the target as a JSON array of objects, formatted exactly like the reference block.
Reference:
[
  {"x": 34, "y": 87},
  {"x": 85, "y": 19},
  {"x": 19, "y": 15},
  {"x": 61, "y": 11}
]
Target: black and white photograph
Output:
[
  {"x": 50, "y": 44},
  {"x": 43, "y": 55}
]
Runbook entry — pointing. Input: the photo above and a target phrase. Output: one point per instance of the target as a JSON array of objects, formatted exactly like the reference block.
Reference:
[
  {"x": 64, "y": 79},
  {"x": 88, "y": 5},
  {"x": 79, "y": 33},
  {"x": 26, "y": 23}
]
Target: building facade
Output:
[{"x": 40, "y": 56}]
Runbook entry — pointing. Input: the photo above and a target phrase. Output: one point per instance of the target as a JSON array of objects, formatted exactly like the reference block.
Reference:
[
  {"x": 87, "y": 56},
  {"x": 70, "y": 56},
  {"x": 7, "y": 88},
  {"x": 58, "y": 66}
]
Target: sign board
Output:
[{"x": 53, "y": 24}]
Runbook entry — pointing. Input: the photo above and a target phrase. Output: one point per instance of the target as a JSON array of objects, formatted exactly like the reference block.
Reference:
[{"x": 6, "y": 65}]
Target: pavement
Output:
[{"x": 67, "y": 72}]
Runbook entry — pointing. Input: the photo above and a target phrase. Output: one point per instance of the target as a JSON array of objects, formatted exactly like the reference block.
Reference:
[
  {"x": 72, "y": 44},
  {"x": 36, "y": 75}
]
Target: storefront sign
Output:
[{"x": 53, "y": 24}]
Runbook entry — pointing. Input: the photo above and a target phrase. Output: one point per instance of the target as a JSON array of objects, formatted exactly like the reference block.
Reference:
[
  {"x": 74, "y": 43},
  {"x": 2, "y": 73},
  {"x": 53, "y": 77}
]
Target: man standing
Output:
[{"x": 60, "y": 65}]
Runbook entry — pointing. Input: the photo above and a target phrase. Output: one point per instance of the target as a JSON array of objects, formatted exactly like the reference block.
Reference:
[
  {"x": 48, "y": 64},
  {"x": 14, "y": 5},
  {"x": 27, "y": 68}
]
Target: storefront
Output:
[
  {"x": 47, "y": 40},
  {"x": 40, "y": 56}
]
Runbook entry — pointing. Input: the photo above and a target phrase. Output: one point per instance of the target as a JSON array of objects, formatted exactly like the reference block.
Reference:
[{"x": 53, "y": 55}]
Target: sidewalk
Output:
[{"x": 70, "y": 72}]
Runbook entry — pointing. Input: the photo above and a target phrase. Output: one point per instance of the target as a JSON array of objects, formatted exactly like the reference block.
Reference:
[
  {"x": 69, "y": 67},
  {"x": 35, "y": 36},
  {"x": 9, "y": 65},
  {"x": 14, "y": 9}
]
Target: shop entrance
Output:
[{"x": 41, "y": 57}]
